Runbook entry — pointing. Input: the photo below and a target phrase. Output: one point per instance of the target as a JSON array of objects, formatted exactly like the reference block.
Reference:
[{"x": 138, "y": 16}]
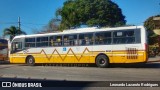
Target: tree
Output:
[
  {"x": 12, "y": 32},
  {"x": 51, "y": 27},
  {"x": 104, "y": 13},
  {"x": 150, "y": 26},
  {"x": 149, "y": 23}
]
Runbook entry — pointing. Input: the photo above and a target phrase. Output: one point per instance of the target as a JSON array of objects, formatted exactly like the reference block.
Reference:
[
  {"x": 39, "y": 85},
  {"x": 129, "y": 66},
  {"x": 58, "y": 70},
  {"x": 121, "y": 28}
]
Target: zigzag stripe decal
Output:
[{"x": 70, "y": 50}]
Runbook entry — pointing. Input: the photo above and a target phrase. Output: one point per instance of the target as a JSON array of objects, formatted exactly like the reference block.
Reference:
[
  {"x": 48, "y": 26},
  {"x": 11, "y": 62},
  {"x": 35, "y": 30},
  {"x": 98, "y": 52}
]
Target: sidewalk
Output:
[{"x": 154, "y": 59}]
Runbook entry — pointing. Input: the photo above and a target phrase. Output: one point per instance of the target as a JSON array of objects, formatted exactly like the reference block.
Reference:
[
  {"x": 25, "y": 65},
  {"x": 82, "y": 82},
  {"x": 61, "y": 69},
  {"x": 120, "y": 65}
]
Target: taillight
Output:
[
  {"x": 146, "y": 51},
  {"x": 146, "y": 47}
]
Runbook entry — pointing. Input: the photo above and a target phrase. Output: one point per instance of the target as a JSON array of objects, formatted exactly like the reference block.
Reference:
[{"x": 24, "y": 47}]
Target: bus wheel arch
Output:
[
  {"x": 30, "y": 60},
  {"x": 102, "y": 60}
]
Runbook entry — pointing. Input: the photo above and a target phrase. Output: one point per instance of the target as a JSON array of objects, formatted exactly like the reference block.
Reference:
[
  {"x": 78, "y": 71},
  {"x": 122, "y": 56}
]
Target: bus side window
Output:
[
  {"x": 124, "y": 37},
  {"x": 51, "y": 42},
  {"x": 80, "y": 42},
  {"x": 76, "y": 42},
  {"x": 81, "y": 39},
  {"x": 66, "y": 40},
  {"x": 103, "y": 38},
  {"x": 70, "y": 40},
  {"x": 16, "y": 46},
  {"x": 137, "y": 36},
  {"x": 99, "y": 38},
  {"x": 55, "y": 41},
  {"x": 119, "y": 37},
  {"x": 58, "y": 42},
  {"x": 130, "y": 40},
  {"x": 42, "y": 41},
  {"x": 73, "y": 40},
  {"x": 29, "y": 42},
  {"x": 86, "y": 39}
]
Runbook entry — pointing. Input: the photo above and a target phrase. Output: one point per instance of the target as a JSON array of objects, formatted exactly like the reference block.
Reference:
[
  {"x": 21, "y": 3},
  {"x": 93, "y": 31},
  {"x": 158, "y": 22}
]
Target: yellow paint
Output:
[{"x": 114, "y": 57}]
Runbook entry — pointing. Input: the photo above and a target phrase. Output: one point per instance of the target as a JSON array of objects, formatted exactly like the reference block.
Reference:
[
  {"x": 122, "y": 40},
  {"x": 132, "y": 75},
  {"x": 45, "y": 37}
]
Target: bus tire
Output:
[
  {"x": 102, "y": 61},
  {"x": 30, "y": 61}
]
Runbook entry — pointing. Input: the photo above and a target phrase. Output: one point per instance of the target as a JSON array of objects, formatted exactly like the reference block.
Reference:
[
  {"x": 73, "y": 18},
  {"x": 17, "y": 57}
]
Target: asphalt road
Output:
[
  {"x": 80, "y": 73},
  {"x": 136, "y": 72},
  {"x": 127, "y": 72}
]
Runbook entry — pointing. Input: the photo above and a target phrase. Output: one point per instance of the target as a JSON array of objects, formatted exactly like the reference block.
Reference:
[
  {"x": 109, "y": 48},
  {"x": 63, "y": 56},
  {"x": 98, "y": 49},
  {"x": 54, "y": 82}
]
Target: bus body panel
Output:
[
  {"x": 84, "y": 55},
  {"x": 116, "y": 53}
]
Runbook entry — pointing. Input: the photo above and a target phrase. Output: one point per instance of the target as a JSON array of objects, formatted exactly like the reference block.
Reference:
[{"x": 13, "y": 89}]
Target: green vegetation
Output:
[
  {"x": 150, "y": 26},
  {"x": 153, "y": 39},
  {"x": 149, "y": 23},
  {"x": 12, "y": 32},
  {"x": 104, "y": 13}
]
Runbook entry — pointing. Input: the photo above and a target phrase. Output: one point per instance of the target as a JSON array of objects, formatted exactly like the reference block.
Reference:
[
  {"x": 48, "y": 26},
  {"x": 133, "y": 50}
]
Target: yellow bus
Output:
[
  {"x": 100, "y": 46},
  {"x": 3, "y": 49}
]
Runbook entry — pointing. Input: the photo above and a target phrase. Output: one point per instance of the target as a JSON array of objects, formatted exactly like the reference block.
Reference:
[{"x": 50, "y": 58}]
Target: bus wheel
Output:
[
  {"x": 30, "y": 61},
  {"x": 102, "y": 61}
]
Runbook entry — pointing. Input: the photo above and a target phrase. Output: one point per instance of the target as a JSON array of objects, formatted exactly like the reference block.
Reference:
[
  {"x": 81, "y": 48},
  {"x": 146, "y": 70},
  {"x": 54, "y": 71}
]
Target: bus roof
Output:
[{"x": 80, "y": 30}]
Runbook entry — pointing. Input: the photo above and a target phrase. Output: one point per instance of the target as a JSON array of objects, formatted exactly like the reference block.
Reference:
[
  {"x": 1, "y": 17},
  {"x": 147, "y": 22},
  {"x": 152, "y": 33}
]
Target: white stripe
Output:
[
  {"x": 84, "y": 55},
  {"x": 17, "y": 56},
  {"x": 127, "y": 54}
]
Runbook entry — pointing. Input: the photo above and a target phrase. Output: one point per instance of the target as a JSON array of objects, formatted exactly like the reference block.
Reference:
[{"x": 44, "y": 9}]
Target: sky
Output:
[{"x": 35, "y": 14}]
